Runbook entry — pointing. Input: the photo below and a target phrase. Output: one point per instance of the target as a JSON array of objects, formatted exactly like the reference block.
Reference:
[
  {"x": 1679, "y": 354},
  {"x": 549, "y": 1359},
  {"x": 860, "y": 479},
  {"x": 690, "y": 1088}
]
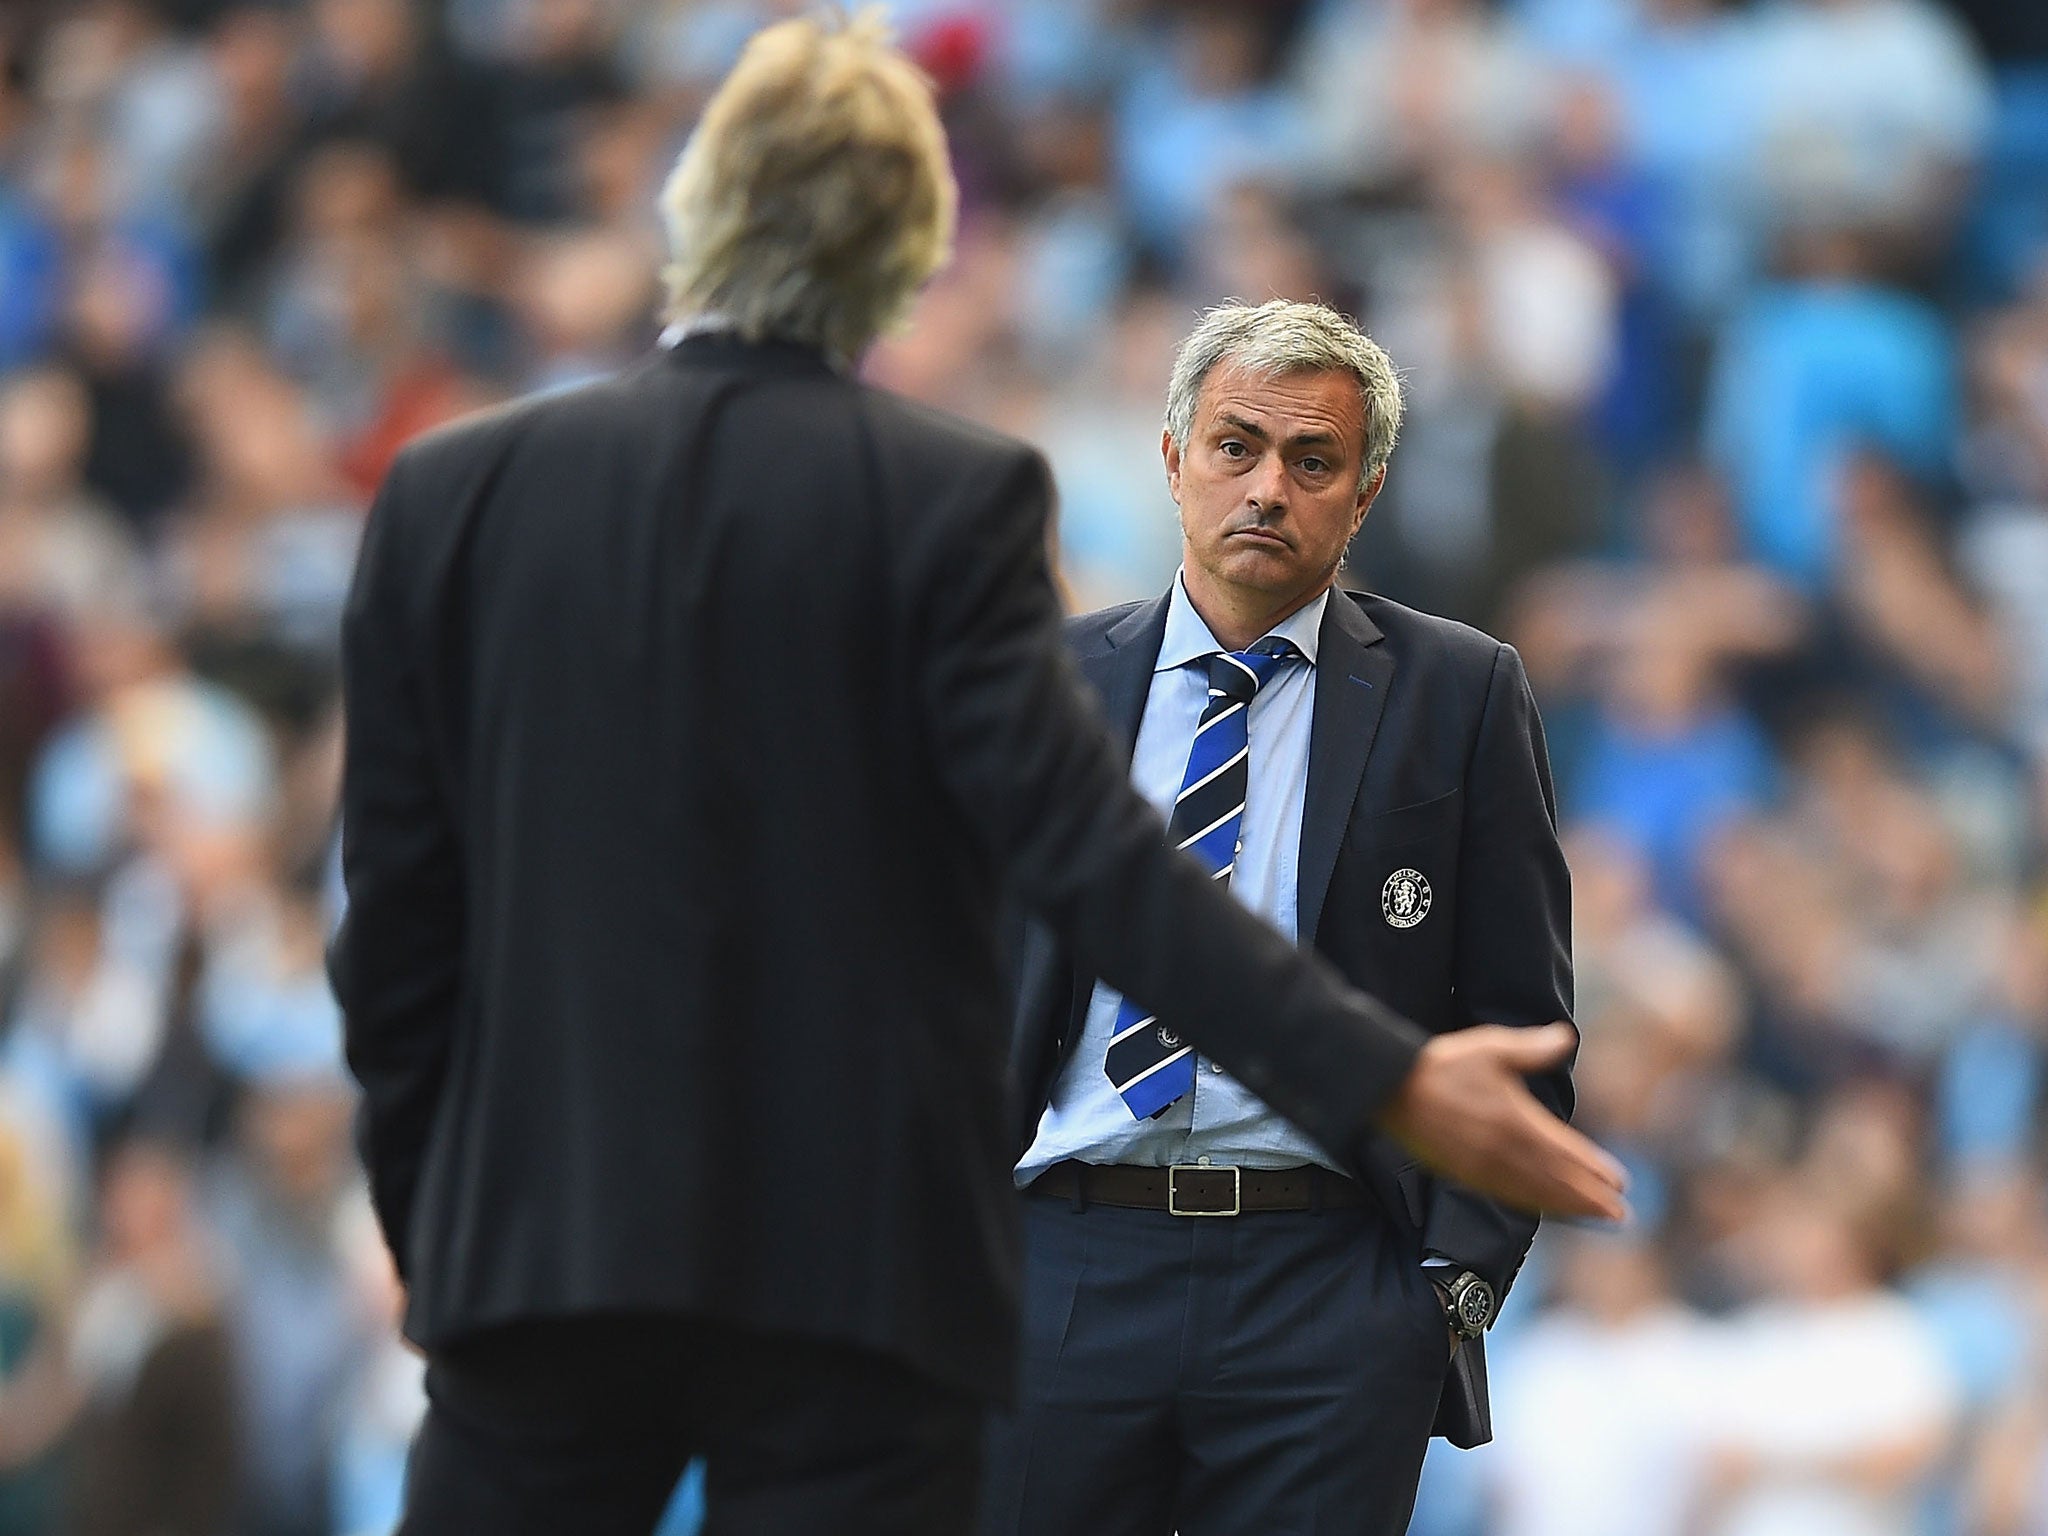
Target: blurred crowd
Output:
[{"x": 1725, "y": 328}]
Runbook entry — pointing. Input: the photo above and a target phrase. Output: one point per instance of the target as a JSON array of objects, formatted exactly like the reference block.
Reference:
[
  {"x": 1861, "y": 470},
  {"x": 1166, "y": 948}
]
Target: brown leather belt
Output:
[{"x": 1198, "y": 1189}]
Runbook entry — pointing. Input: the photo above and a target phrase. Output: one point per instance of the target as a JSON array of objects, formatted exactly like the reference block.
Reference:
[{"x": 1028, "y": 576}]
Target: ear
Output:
[
  {"x": 1169, "y": 450},
  {"x": 1366, "y": 498}
]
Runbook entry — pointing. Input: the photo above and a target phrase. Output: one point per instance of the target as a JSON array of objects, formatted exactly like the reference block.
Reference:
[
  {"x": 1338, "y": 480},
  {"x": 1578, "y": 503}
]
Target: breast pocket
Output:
[{"x": 1421, "y": 822}]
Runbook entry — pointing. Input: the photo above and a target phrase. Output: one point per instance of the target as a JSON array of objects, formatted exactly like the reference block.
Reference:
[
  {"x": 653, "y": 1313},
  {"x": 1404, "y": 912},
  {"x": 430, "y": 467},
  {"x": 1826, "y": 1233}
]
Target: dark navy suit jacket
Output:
[{"x": 1426, "y": 758}]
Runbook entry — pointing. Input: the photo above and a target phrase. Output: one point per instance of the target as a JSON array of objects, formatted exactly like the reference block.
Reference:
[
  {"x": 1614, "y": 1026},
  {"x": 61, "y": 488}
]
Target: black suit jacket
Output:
[
  {"x": 696, "y": 720},
  {"x": 1425, "y": 754}
]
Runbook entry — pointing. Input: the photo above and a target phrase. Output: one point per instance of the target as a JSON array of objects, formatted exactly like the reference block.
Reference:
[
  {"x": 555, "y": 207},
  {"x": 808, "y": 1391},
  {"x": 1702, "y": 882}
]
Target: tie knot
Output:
[{"x": 1238, "y": 675}]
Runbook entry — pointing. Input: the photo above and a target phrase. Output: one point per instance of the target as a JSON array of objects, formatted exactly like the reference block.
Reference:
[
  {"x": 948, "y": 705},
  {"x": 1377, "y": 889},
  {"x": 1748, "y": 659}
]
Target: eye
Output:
[
  {"x": 1314, "y": 465},
  {"x": 1233, "y": 449}
]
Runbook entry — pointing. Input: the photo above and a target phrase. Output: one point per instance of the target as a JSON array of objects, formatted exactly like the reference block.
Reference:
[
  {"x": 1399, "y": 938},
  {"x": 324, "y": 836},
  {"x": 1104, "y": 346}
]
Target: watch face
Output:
[{"x": 1475, "y": 1306}]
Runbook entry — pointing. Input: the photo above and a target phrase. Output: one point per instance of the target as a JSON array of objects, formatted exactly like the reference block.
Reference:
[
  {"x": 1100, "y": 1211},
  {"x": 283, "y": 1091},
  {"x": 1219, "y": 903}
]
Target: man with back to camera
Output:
[
  {"x": 697, "y": 721},
  {"x": 1373, "y": 781}
]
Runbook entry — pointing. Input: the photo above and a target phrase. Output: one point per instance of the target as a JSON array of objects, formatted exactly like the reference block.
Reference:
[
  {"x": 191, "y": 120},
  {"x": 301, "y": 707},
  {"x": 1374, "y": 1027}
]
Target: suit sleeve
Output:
[
  {"x": 394, "y": 964},
  {"x": 1514, "y": 948},
  {"x": 1030, "y": 763}
]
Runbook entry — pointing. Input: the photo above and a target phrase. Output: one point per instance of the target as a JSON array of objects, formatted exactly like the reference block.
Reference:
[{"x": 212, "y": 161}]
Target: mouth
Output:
[{"x": 1260, "y": 536}]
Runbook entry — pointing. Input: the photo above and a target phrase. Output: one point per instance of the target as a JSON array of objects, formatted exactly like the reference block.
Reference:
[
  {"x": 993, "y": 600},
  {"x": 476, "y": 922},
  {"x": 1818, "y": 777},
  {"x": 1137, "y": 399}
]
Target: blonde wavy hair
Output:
[{"x": 815, "y": 197}]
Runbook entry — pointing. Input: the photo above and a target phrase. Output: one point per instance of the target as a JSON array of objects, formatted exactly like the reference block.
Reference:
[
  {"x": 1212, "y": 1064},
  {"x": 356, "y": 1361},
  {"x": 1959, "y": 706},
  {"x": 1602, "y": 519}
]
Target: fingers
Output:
[
  {"x": 1535, "y": 1049},
  {"x": 1467, "y": 1112},
  {"x": 1581, "y": 1180},
  {"x": 1586, "y": 1153},
  {"x": 1541, "y": 1164}
]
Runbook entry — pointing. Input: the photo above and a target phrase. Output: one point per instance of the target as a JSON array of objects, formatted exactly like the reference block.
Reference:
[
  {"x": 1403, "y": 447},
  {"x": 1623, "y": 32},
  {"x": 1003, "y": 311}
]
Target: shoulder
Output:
[
  {"x": 957, "y": 493},
  {"x": 1086, "y": 630},
  {"x": 485, "y": 438},
  {"x": 1427, "y": 638},
  {"x": 933, "y": 444},
  {"x": 939, "y": 442}
]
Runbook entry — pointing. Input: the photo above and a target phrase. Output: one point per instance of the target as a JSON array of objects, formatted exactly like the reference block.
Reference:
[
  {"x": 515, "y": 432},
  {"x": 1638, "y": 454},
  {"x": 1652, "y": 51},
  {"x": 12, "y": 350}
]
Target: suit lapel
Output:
[
  {"x": 1120, "y": 666},
  {"x": 1353, "y": 672}
]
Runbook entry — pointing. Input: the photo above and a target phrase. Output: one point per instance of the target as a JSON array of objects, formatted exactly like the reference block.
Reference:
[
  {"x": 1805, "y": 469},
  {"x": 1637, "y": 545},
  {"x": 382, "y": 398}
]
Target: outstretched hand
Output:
[{"x": 1466, "y": 1112}]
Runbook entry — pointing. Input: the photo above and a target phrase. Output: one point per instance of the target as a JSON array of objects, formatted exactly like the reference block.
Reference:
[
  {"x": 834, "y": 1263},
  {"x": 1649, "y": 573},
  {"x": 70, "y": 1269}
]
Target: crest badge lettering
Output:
[{"x": 1405, "y": 898}]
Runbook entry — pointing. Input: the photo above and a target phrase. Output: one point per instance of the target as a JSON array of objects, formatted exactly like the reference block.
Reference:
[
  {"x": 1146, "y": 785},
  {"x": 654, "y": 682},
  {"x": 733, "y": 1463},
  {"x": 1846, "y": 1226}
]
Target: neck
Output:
[{"x": 1237, "y": 617}]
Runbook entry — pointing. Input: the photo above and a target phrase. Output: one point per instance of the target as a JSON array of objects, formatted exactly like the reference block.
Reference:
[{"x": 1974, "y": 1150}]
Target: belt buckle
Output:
[{"x": 1173, "y": 1172}]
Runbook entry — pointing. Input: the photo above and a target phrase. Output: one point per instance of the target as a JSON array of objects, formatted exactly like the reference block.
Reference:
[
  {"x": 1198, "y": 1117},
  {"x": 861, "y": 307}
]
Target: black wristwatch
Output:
[{"x": 1469, "y": 1304}]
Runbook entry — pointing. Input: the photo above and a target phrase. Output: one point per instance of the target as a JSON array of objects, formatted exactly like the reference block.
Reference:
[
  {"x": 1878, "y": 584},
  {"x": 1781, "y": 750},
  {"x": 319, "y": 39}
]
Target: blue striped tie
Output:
[{"x": 1146, "y": 1061}]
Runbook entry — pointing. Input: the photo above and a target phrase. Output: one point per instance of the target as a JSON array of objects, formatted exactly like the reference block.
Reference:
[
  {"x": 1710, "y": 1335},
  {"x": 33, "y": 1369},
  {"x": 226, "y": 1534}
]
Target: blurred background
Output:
[{"x": 1726, "y": 332}]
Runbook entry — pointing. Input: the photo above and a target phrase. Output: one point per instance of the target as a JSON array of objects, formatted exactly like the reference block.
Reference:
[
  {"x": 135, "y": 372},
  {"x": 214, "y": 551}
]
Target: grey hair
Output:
[
  {"x": 815, "y": 196},
  {"x": 1280, "y": 337}
]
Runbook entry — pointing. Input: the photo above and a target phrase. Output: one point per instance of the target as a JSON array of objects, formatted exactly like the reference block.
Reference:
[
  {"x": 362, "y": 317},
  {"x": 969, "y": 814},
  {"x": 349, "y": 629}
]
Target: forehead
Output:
[{"x": 1299, "y": 402}]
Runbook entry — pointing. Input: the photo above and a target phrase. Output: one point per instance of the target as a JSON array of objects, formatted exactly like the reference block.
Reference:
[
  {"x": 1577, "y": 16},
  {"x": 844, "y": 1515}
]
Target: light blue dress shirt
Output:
[{"x": 1222, "y": 1121}]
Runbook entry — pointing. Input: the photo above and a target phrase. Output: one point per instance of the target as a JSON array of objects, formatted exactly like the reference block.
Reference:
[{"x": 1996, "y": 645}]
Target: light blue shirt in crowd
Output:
[{"x": 1222, "y": 1120}]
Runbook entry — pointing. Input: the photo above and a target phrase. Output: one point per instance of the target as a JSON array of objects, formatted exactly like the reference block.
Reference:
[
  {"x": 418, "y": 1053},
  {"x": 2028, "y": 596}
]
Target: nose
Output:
[{"x": 1268, "y": 488}]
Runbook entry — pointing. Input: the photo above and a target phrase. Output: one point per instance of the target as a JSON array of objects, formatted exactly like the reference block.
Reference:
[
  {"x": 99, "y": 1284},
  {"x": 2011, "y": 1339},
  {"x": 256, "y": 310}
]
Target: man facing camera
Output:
[{"x": 1372, "y": 781}]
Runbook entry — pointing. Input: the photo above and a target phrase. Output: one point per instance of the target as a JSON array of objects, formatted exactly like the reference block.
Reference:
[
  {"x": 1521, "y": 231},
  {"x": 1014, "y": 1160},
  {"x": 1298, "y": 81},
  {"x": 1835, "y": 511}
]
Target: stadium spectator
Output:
[
  {"x": 1600, "y": 1419},
  {"x": 37, "y": 1271},
  {"x": 154, "y": 1449}
]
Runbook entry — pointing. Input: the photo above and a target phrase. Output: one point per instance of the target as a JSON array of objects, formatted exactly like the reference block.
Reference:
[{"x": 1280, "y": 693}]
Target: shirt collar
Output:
[
  {"x": 705, "y": 323},
  {"x": 1188, "y": 639},
  {"x": 715, "y": 322}
]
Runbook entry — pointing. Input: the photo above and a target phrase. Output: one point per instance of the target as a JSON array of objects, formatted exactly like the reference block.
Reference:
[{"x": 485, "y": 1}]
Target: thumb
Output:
[{"x": 1533, "y": 1050}]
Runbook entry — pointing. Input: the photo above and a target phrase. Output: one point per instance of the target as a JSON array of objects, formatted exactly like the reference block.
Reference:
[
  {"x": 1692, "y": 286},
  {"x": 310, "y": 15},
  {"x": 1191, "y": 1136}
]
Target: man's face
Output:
[{"x": 1268, "y": 484}]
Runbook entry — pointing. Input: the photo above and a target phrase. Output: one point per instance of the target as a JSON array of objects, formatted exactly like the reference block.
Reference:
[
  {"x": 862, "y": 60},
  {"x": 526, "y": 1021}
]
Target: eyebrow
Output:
[{"x": 1299, "y": 440}]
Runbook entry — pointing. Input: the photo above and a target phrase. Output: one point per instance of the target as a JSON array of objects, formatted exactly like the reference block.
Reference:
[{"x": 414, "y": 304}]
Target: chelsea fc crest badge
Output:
[{"x": 1405, "y": 898}]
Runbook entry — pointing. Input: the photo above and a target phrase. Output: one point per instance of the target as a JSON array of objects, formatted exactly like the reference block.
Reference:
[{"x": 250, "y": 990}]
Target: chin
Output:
[{"x": 1265, "y": 570}]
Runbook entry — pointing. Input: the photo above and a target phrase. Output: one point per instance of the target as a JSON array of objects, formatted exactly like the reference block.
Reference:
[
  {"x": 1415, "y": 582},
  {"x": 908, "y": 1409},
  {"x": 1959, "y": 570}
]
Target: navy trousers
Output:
[
  {"x": 581, "y": 1427},
  {"x": 1274, "y": 1374}
]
